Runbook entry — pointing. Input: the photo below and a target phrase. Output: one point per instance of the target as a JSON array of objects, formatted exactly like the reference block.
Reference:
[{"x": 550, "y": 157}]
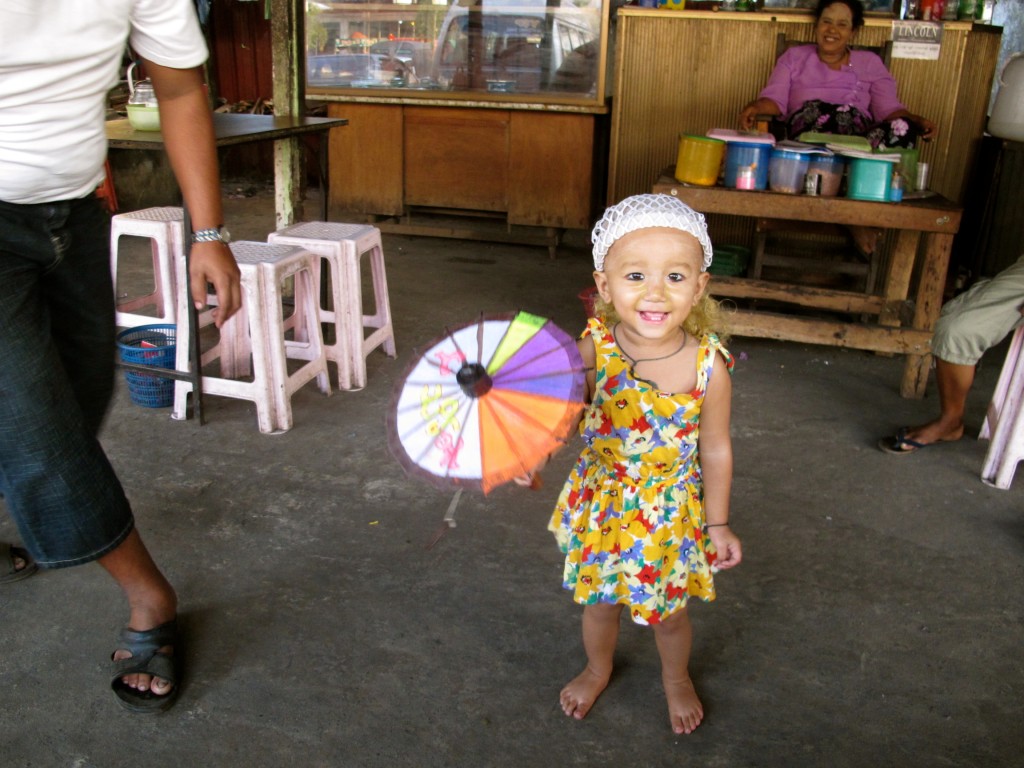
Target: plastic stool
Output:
[
  {"x": 1004, "y": 420},
  {"x": 165, "y": 227},
  {"x": 342, "y": 246},
  {"x": 259, "y": 329}
]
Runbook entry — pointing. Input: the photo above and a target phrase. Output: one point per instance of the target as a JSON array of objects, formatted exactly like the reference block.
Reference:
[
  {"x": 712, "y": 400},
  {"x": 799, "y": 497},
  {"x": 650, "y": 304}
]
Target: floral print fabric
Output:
[
  {"x": 845, "y": 120},
  {"x": 630, "y": 518}
]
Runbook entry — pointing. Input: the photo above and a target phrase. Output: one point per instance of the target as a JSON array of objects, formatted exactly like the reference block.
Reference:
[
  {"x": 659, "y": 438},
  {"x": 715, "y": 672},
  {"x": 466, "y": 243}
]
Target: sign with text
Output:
[{"x": 916, "y": 39}]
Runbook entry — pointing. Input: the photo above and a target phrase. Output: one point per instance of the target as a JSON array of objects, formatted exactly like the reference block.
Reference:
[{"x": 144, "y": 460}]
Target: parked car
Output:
[
  {"x": 343, "y": 68},
  {"x": 505, "y": 47},
  {"x": 415, "y": 53}
]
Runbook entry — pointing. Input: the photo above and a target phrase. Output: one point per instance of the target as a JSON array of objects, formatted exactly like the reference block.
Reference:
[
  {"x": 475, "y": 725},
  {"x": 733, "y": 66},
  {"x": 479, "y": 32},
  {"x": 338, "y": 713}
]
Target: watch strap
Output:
[{"x": 212, "y": 235}]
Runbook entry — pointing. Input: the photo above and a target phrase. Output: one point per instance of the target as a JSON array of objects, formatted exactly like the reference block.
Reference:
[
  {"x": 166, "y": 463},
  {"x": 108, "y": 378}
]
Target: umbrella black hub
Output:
[{"x": 474, "y": 380}]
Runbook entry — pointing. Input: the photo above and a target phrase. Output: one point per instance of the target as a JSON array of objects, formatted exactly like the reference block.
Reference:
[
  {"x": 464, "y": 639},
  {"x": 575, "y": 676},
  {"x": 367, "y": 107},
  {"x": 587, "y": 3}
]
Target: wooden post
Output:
[{"x": 288, "y": 43}]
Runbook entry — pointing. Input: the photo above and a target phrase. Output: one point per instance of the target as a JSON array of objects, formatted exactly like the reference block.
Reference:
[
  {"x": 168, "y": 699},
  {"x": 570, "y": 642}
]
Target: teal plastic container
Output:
[{"x": 870, "y": 179}]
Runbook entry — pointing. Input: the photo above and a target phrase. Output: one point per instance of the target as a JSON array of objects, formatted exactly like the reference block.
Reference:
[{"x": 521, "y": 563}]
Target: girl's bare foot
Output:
[
  {"x": 684, "y": 708},
  {"x": 580, "y": 694}
]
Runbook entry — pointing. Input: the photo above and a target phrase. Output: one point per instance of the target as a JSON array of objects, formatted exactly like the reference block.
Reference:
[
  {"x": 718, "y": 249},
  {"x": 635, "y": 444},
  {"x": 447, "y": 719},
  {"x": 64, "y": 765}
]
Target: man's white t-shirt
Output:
[{"x": 58, "y": 61}]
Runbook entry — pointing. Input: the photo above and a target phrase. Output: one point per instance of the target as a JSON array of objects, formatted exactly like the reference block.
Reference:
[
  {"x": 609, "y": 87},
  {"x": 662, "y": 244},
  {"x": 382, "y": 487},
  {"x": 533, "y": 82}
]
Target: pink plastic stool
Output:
[
  {"x": 1004, "y": 420},
  {"x": 259, "y": 329},
  {"x": 165, "y": 227},
  {"x": 342, "y": 246}
]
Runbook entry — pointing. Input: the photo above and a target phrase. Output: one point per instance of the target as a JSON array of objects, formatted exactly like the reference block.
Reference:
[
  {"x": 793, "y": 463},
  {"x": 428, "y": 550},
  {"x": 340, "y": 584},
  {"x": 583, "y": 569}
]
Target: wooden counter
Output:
[
  {"x": 926, "y": 228},
  {"x": 526, "y": 168}
]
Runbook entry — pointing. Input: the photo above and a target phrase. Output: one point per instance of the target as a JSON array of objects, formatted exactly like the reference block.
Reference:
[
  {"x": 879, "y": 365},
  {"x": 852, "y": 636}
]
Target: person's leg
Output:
[
  {"x": 969, "y": 325},
  {"x": 15, "y": 564},
  {"x": 674, "y": 637},
  {"x": 151, "y": 600},
  {"x": 56, "y": 372},
  {"x": 954, "y": 384},
  {"x": 600, "y": 635}
]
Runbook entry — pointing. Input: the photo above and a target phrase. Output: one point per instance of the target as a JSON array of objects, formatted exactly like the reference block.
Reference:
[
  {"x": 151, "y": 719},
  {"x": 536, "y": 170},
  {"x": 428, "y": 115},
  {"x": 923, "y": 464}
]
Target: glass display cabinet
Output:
[
  {"x": 489, "y": 109},
  {"x": 510, "y": 50}
]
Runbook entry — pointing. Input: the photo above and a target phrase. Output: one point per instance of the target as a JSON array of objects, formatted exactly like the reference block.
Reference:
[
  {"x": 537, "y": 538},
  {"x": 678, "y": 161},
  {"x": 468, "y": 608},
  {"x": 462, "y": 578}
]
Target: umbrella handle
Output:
[{"x": 531, "y": 480}]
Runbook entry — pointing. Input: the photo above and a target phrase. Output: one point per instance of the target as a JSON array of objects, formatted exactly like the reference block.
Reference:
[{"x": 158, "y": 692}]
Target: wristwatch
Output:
[{"x": 213, "y": 235}]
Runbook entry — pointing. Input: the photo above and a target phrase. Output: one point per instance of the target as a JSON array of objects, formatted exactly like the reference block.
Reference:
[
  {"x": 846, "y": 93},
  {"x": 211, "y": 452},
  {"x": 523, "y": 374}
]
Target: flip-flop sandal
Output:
[
  {"x": 146, "y": 659},
  {"x": 900, "y": 444},
  {"x": 8, "y": 572}
]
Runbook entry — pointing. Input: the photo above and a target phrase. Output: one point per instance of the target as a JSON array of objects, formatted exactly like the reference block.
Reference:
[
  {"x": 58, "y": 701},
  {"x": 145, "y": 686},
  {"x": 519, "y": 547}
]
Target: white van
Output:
[{"x": 512, "y": 47}]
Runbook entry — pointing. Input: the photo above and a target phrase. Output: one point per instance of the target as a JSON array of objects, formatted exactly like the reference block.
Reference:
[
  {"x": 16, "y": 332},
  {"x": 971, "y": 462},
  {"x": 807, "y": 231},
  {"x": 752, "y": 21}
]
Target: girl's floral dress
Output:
[{"x": 630, "y": 518}]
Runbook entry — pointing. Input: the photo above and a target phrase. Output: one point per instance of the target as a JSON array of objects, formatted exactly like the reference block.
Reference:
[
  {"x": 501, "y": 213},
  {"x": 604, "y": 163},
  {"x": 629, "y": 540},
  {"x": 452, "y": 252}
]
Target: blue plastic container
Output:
[{"x": 743, "y": 154}]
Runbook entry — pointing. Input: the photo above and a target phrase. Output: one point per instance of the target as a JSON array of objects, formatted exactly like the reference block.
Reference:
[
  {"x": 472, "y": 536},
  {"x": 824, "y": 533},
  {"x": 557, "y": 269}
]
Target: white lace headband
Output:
[{"x": 642, "y": 211}]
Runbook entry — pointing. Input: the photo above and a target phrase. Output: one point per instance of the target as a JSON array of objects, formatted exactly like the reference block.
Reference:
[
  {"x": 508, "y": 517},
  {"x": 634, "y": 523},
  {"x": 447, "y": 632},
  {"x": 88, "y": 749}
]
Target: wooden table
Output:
[
  {"x": 926, "y": 228},
  {"x": 230, "y": 129}
]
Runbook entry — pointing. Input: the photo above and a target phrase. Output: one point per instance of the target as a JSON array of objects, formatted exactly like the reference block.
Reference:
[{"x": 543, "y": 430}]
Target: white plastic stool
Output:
[
  {"x": 259, "y": 328},
  {"x": 1004, "y": 420},
  {"x": 165, "y": 227},
  {"x": 343, "y": 246}
]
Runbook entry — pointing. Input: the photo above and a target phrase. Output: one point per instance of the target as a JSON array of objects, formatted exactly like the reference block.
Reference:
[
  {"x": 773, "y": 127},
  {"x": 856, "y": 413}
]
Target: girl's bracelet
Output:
[{"x": 716, "y": 525}]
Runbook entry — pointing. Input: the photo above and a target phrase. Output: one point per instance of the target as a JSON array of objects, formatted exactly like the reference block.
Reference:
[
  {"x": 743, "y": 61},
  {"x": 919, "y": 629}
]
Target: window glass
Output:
[{"x": 514, "y": 46}]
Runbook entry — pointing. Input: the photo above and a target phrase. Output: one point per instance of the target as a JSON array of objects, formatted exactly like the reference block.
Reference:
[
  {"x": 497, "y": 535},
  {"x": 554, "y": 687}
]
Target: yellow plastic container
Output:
[
  {"x": 700, "y": 160},
  {"x": 672, "y": 5}
]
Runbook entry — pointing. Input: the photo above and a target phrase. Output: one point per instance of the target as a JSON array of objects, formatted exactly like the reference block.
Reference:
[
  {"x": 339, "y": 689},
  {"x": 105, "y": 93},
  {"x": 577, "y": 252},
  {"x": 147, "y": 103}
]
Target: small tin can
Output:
[
  {"x": 812, "y": 183},
  {"x": 921, "y": 182}
]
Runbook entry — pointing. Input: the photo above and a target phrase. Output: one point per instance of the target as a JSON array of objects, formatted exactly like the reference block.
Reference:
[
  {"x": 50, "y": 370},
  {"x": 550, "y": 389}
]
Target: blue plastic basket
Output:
[{"x": 149, "y": 345}]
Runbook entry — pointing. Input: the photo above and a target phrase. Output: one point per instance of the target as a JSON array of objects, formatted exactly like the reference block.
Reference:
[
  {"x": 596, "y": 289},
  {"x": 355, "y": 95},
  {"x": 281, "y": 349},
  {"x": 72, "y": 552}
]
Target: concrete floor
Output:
[{"x": 875, "y": 620}]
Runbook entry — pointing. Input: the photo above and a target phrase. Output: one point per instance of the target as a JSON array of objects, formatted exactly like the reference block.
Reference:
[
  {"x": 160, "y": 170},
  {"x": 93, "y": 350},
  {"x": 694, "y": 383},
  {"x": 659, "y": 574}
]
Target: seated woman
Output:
[{"x": 829, "y": 88}]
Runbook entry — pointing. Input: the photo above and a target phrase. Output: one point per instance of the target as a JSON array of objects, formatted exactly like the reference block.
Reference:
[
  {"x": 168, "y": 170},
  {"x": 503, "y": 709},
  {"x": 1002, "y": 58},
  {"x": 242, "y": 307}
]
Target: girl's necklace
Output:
[{"x": 636, "y": 362}]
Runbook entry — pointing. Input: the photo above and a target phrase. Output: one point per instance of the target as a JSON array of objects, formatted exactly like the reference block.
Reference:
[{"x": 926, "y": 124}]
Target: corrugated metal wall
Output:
[
  {"x": 241, "y": 48},
  {"x": 240, "y": 45}
]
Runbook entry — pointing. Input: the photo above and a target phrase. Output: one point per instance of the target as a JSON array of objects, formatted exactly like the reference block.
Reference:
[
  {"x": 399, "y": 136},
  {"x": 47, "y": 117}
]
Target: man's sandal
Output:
[
  {"x": 9, "y": 571},
  {"x": 900, "y": 444},
  {"x": 146, "y": 659}
]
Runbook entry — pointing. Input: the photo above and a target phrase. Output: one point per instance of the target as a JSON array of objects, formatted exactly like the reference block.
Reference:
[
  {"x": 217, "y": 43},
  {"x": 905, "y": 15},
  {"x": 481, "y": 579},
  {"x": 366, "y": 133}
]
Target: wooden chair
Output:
[{"x": 816, "y": 252}]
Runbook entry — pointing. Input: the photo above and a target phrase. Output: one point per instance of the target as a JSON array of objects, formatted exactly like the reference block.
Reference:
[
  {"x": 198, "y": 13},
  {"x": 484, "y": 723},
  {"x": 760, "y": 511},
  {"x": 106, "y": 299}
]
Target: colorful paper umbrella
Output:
[{"x": 489, "y": 400}]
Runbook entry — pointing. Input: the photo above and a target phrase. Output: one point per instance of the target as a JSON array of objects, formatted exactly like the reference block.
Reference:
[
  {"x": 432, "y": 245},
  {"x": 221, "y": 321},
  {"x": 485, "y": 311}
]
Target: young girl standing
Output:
[{"x": 644, "y": 516}]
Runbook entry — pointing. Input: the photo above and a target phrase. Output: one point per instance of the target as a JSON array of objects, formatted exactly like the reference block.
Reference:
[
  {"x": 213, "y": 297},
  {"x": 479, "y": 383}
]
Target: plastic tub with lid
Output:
[
  {"x": 747, "y": 156},
  {"x": 700, "y": 160},
  {"x": 870, "y": 177},
  {"x": 787, "y": 170},
  {"x": 830, "y": 173}
]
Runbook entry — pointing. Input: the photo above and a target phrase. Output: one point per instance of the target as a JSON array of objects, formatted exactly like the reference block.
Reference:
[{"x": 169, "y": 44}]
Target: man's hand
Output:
[{"x": 213, "y": 263}]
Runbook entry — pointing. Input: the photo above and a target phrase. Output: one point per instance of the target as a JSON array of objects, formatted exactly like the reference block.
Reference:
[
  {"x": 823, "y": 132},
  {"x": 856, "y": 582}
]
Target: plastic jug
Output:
[{"x": 1007, "y": 118}]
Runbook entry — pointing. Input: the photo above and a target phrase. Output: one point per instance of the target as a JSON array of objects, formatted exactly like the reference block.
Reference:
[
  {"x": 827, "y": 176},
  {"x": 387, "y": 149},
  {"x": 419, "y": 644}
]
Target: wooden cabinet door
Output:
[
  {"x": 550, "y": 169},
  {"x": 456, "y": 158},
  {"x": 366, "y": 159}
]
